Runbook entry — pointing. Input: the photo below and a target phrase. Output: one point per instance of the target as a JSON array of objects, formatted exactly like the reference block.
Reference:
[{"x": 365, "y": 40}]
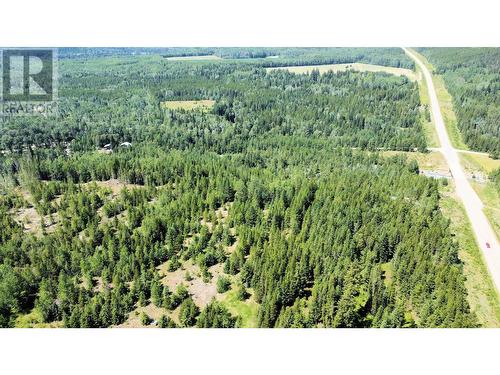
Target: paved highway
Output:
[{"x": 473, "y": 206}]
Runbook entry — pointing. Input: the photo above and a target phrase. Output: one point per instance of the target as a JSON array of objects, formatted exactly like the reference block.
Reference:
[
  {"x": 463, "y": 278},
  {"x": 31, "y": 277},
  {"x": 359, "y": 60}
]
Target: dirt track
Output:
[{"x": 473, "y": 205}]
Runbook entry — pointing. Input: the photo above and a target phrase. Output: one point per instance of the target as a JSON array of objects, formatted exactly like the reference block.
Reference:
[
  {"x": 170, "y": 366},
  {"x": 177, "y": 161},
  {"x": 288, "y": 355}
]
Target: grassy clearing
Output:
[
  {"x": 188, "y": 105},
  {"x": 201, "y": 57},
  {"x": 34, "y": 319},
  {"x": 446, "y": 106},
  {"x": 427, "y": 161},
  {"x": 491, "y": 201},
  {"x": 246, "y": 310},
  {"x": 388, "y": 273},
  {"x": 428, "y": 127},
  {"x": 482, "y": 296},
  {"x": 479, "y": 162},
  {"x": 344, "y": 67}
]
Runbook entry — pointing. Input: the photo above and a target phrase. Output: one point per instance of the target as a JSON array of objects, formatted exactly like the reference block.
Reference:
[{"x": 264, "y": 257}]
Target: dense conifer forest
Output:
[
  {"x": 472, "y": 76},
  {"x": 276, "y": 196}
]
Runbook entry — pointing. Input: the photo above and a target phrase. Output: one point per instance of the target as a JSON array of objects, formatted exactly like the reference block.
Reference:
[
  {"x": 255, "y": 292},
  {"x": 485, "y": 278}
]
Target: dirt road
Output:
[{"x": 473, "y": 205}]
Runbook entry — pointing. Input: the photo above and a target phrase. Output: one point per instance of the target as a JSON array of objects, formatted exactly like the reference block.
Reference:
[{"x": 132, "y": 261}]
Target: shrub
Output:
[{"x": 223, "y": 284}]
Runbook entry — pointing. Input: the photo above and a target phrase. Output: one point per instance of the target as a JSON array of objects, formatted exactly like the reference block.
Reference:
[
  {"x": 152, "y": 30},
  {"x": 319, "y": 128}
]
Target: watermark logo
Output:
[{"x": 29, "y": 82}]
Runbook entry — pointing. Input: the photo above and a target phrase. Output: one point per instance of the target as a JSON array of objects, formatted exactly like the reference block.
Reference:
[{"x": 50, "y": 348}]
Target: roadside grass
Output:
[
  {"x": 482, "y": 295},
  {"x": 479, "y": 162},
  {"x": 188, "y": 105},
  {"x": 246, "y": 310},
  {"x": 429, "y": 161},
  {"x": 446, "y": 105},
  {"x": 428, "y": 127},
  {"x": 450, "y": 120},
  {"x": 487, "y": 192},
  {"x": 491, "y": 201},
  {"x": 301, "y": 69}
]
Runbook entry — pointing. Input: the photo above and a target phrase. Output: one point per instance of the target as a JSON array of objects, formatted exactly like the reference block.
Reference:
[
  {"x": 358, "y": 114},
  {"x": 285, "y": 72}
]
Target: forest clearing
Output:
[{"x": 359, "y": 67}]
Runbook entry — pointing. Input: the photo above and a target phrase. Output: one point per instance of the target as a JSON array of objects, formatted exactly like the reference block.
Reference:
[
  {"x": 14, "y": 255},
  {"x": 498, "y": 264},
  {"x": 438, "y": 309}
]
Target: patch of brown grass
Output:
[{"x": 188, "y": 105}]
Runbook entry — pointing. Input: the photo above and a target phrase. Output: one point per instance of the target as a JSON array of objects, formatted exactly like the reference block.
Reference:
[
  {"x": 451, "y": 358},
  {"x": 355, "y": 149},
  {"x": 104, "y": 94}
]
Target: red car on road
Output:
[{"x": 488, "y": 245}]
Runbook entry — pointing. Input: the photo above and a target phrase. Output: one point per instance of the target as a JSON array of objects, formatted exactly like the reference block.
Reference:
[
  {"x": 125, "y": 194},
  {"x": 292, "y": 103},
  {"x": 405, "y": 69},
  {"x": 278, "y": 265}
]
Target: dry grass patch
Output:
[
  {"x": 202, "y": 292},
  {"x": 359, "y": 67},
  {"x": 478, "y": 161},
  {"x": 134, "y": 318},
  {"x": 30, "y": 219},
  {"x": 426, "y": 161},
  {"x": 188, "y": 105}
]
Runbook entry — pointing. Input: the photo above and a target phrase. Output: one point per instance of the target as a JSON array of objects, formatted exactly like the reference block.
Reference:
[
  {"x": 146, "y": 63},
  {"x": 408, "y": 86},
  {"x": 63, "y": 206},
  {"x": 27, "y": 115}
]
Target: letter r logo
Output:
[{"x": 28, "y": 75}]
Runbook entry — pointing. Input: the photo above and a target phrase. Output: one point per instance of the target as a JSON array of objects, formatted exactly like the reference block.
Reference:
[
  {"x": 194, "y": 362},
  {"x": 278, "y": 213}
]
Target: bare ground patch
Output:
[
  {"x": 114, "y": 184},
  {"x": 189, "y": 275},
  {"x": 31, "y": 220},
  {"x": 221, "y": 213},
  {"x": 134, "y": 318},
  {"x": 188, "y": 105}
]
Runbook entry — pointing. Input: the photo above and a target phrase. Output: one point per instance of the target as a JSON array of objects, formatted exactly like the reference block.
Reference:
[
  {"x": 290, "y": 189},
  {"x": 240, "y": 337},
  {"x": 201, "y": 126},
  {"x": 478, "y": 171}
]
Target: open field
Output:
[
  {"x": 201, "y": 57},
  {"x": 446, "y": 106},
  {"x": 359, "y": 67},
  {"x": 427, "y": 161},
  {"x": 477, "y": 161},
  {"x": 481, "y": 293},
  {"x": 188, "y": 105},
  {"x": 245, "y": 310}
]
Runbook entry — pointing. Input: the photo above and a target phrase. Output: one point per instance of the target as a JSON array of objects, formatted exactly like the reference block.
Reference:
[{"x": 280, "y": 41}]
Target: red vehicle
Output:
[{"x": 488, "y": 245}]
